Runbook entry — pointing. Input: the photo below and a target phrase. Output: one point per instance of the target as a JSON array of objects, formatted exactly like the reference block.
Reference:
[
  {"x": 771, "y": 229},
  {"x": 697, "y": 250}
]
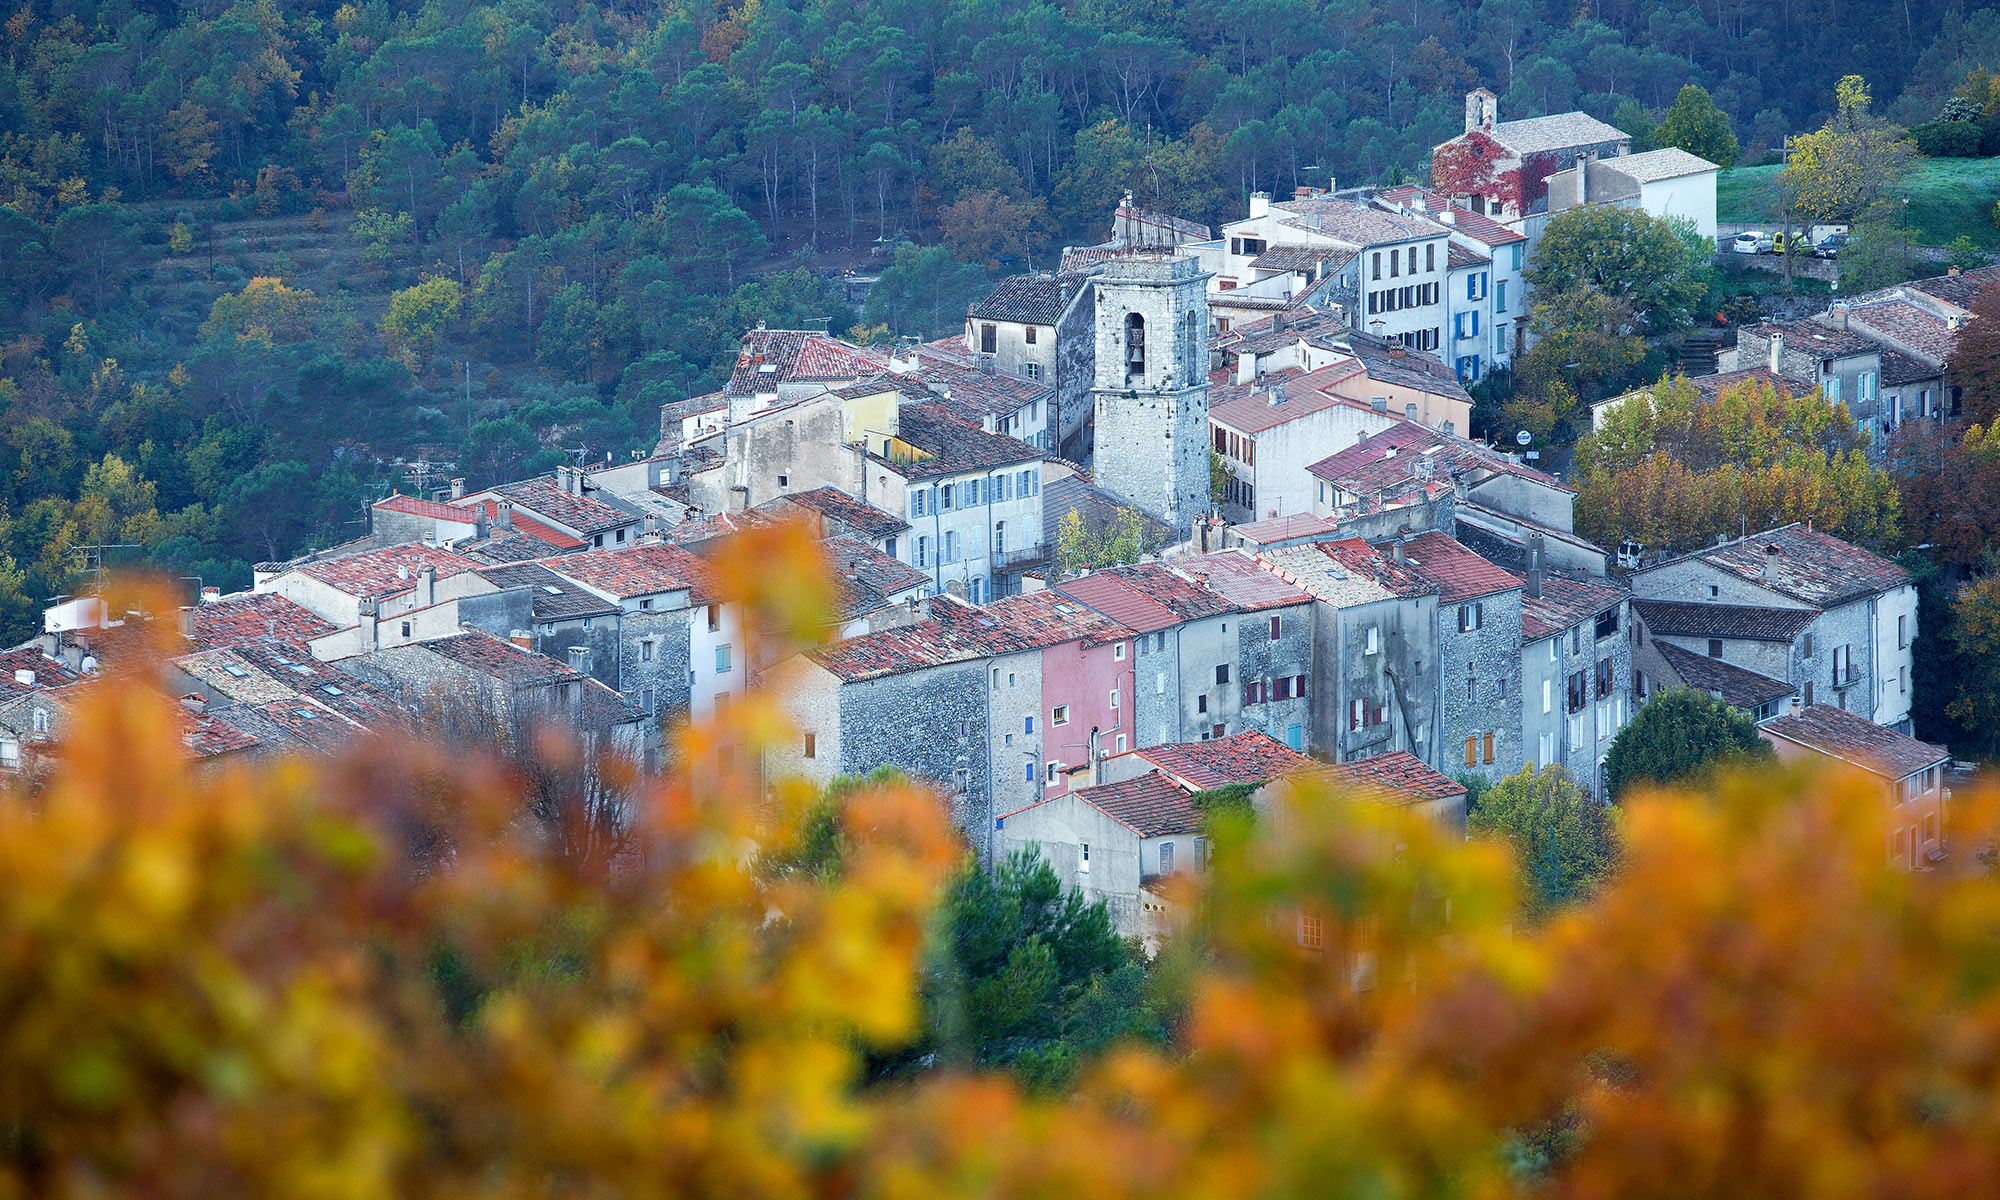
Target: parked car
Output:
[
  {"x": 1797, "y": 243},
  {"x": 1830, "y": 247},
  {"x": 1751, "y": 243}
]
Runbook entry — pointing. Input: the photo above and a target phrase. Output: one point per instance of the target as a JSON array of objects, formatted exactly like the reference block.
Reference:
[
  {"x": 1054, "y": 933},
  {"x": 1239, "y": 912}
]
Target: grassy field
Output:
[{"x": 1948, "y": 197}]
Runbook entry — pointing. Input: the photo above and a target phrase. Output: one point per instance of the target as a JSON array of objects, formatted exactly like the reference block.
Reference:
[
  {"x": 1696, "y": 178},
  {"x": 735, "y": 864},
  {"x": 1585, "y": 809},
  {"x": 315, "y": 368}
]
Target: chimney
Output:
[
  {"x": 521, "y": 638},
  {"x": 1276, "y": 396},
  {"x": 579, "y": 659},
  {"x": 458, "y": 488},
  {"x": 1379, "y": 403},
  {"x": 1840, "y": 317},
  {"x": 1534, "y": 588},
  {"x": 427, "y": 578},
  {"x": 1396, "y": 551},
  {"x": 209, "y": 595},
  {"x": 371, "y": 609},
  {"x": 1260, "y": 204},
  {"x": 1770, "y": 561},
  {"x": 24, "y": 677},
  {"x": 1246, "y": 368},
  {"x": 1777, "y": 353},
  {"x": 187, "y": 621},
  {"x": 195, "y": 703},
  {"x": 1449, "y": 216},
  {"x": 1797, "y": 704},
  {"x": 1953, "y": 271},
  {"x": 505, "y": 514}
]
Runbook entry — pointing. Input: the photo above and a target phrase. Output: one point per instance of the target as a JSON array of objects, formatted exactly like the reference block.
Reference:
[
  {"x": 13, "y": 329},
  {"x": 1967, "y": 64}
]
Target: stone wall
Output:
[
  {"x": 1260, "y": 657},
  {"x": 931, "y": 725},
  {"x": 1480, "y": 684}
]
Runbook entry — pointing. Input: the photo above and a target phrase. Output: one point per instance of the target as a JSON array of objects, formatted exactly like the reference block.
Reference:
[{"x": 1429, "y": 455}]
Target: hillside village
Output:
[{"x": 1320, "y": 571}]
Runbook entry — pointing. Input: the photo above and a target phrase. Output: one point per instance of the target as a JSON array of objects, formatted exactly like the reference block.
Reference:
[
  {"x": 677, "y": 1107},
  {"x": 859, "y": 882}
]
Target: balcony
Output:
[{"x": 1014, "y": 560}]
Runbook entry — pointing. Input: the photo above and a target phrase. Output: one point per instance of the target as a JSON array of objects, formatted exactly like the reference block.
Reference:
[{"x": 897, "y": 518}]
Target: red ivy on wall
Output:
[{"x": 1465, "y": 166}]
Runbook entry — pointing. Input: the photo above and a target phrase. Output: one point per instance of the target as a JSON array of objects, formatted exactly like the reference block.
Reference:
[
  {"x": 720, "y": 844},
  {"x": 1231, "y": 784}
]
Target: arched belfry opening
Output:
[{"x": 1135, "y": 347}]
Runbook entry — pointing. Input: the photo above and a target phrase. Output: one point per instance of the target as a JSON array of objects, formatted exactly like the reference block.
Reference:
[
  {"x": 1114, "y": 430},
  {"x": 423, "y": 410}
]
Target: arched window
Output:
[{"x": 1135, "y": 345}]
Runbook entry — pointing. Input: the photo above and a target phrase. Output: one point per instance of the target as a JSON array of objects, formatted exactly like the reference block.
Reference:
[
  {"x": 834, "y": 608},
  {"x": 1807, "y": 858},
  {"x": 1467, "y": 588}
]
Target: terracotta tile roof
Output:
[
  {"x": 499, "y": 658},
  {"x": 642, "y": 570},
  {"x": 1239, "y": 578},
  {"x": 1358, "y": 556},
  {"x": 827, "y": 358},
  {"x": 254, "y": 616},
  {"x": 1250, "y": 757},
  {"x": 1028, "y": 299},
  {"x": 1150, "y": 805},
  {"x": 1326, "y": 578},
  {"x": 303, "y": 724},
  {"x": 1462, "y": 257},
  {"x": 955, "y": 633},
  {"x": 205, "y": 737},
  {"x": 1397, "y": 776},
  {"x": 1458, "y": 573},
  {"x": 386, "y": 572},
  {"x": 1050, "y": 618},
  {"x": 973, "y": 394},
  {"x": 1652, "y": 166},
  {"x": 1752, "y": 622},
  {"x": 1908, "y": 326},
  {"x": 1737, "y": 686},
  {"x": 869, "y": 579},
  {"x": 1850, "y": 738},
  {"x": 48, "y": 672},
  {"x": 1352, "y": 222},
  {"x": 527, "y": 527},
  {"x": 1271, "y": 530},
  {"x": 951, "y": 444},
  {"x": 1393, "y": 458},
  {"x": 293, "y": 668},
  {"x": 1898, "y": 369},
  {"x": 1281, "y": 396},
  {"x": 545, "y": 499},
  {"x": 1167, "y": 587},
  {"x": 1118, "y": 600},
  {"x": 1822, "y": 340},
  {"x": 1961, "y": 290},
  {"x": 764, "y": 358},
  {"x": 1564, "y": 604},
  {"x": 844, "y": 511},
  {"x": 1283, "y": 257},
  {"x": 1814, "y": 567},
  {"x": 1711, "y": 386},
  {"x": 1476, "y": 226},
  {"x": 551, "y": 596},
  {"x": 424, "y": 508}
]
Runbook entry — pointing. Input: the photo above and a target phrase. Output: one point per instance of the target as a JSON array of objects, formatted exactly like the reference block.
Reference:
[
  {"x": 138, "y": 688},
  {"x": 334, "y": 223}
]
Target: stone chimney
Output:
[
  {"x": 1396, "y": 551},
  {"x": 1260, "y": 203},
  {"x": 504, "y": 518},
  {"x": 195, "y": 703},
  {"x": 579, "y": 659},
  {"x": 1770, "y": 561},
  {"x": 1379, "y": 403},
  {"x": 458, "y": 488},
  {"x": 427, "y": 578},
  {"x": 187, "y": 621},
  {"x": 1777, "y": 363},
  {"x": 371, "y": 609},
  {"x": 1840, "y": 317},
  {"x": 1534, "y": 588}
]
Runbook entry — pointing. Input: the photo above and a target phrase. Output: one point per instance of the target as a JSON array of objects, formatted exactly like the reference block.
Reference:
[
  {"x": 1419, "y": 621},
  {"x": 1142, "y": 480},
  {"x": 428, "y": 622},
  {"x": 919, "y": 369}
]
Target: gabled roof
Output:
[
  {"x": 1814, "y": 567},
  {"x": 253, "y": 616},
  {"x": 1049, "y": 618},
  {"x": 1394, "y": 363},
  {"x": 1240, "y": 579},
  {"x": 1147, "y": 597},
  {"x": 500, "y": 659},
  {"x": 390, "y": 571},
  {"x": 952, "y": 444},
  {"x": 1298, "y": 526},
  {"x": 1029, "y": 299},
  {"x": 1564, "y": 604},
  {"x": 1394, "y": 458},
  {"x": 1150, "y": 805},
  {"x": 1284, "y": 257},
  {"x": 1280, "y": 397},
  {"x": 1738, "y": 687},
  {"x": 1652, "y": 166},
  {"x": 1898, "y": 369},
  {"x": 48, "y": 672},
  {"x": 868, "y": 578},
  {"x": 971, "y": 393},
  {"x": 1748, "y": 622},
  {"x": 1823, "y": 340},
  {"x": 1352, "y": 222},
  {"x": 1358, "y": 556},
  {"x": 545, "y": 498},
  {"x": 1397, "y": 776},
  {"x": 768, "y": 357},
  {"x": 1902, "y": 322},
  {"x": 1843, "y": 735},
  {"x": 956, "y": 633},
  {"x": 1477, "y": 226},
  {"x": 1558, "y": 131},
  {"x": 1250, "y": 757},
  {"x": 551, "y": 596},
  {"x": 1458, "y": 573},
  {"x": 642, "y": 570},
  {"x": 1462, "y": 257}
]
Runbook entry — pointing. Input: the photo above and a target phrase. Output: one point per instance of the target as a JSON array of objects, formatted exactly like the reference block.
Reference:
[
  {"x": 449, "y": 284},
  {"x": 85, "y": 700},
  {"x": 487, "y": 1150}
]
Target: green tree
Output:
[
  {"x": 1656, "y": 267},
  {"x": 924, "y": 292},
  {"x": 1697, "y": 126},
  {"x": 1975, "y": 634},
  {"x": 1219, "y": 476},
  {"x": 1566, "y": 838},
  {"x": 1856, "y": 159},
  {"x": 1677, "y": 738}
]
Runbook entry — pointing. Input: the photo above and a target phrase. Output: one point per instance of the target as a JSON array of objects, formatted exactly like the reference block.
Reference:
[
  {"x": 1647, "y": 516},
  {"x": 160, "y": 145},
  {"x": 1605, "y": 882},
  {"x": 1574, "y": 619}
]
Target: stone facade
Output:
[
  {"x": 931, "y": 725},
  {"x": 1151, "y": 439},
  {"x": 1390, "y": 673},
  {"x": 1479, "y": 679},
  {"x": 1074, "y": 420},
  {"x": 1018, "y": 731},
  {"x": 1264, "y": 660}
]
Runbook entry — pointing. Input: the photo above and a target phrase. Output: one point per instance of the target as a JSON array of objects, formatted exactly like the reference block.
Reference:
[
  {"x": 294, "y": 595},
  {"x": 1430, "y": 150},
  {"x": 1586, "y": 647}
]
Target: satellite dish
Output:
[{"x": 1524, "y": 437}]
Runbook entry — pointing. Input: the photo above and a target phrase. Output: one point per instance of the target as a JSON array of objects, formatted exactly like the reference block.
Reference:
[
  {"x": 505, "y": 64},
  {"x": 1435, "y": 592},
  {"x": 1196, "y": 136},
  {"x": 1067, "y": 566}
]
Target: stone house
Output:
[
  {"x": 1077, "y": 702},
  {"x": 833, "y": 513},
  {"x": 1510, "y": 500},
  {"x": 249, "y": 616},
  {"x": 1501, "y": 169},
  {"x": 567, "y": 502},
  {"x": 1855, "y": 653},
  {"x": 677, "y": 648},
  {"x": 1185, "y": 670},
  {"x": 559, "y": 617},
  {"x": 396, "y": 520},
  {"x": 1840, "y": 363},
  {"x": 1373, "y": 683},
  {"x": 1274, "y": 650},
  {"x": 1479, "y": 625},
  {"x": 793, "y": 445},
  {"x": 1042, "y": 327},
  {"x": 1576, "y": 672},
  {"x": 1911, "y": 773},
  {"x": 376, "y": 598},
  {"x": 973, "y": 389},
  {"x": 1373, "y": 373}
]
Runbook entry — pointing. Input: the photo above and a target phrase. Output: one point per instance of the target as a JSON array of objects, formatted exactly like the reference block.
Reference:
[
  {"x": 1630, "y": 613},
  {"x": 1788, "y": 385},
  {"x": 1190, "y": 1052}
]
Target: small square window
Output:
[{"x": 1060, "y": 716}]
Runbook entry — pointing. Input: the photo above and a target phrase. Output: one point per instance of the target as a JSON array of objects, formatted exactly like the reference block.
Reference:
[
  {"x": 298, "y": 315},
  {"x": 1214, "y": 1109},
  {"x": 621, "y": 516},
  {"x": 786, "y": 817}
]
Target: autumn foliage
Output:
[{"x": 239, "y": 985}]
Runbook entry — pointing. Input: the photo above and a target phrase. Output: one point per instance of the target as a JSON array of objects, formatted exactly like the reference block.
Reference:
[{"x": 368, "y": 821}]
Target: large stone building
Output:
[{"x": 1152, "y": 386}]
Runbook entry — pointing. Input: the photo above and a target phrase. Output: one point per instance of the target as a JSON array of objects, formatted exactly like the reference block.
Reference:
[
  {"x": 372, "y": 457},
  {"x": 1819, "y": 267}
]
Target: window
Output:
[
  {"x": 784, "y": 481},
  {"x": 1807, "y": 651},
  {"x": 1715, "y": 647},
  {"x": 1311, "y": 932},
  {"x": 950, "y": 554},
  {"x": 1118, "y": 652},
  {"x": 1030, "y": 771},
  {"x": 1159, "y": 683},
  {"x": 1607, "y": 623},
  {"x": 1083, "y": 850},
  {"x": 1395, "y": 264},
  {"x": 1028, "y": 725},
  {"x": 944, "y": 497},
  {"x": 917, "y": 503},
  {"x": 1843, "y": 666},
  {"x": 1472, "y": 751},
  {"x": 1114, "y": 697},
  {"x": 1031, "y": 370},
  {"x": 1902, "y": 632},
  {"x": 646, "y": 651},
  {"x": 1135, "y": 345},
  {"x": 1517, "y": 256},
  {"x": 10, "y": 753},
  {"x": 1548, "y": 696},
  {"x": 1576, "y": 692},
  {"x": 1503, "y": 687},
  {"x": 1031, "y": 335},
  {"x": 1603, "y": 678},
  {"x": 1500, "y": 296},
  {"x": 1833, "y": 390},
  {"x": 1903, "y": 680},
  {"x": 1060, "y": 716},
  {"x": 999, "y": 537},
  {"x": 722, "y": 660},
  {"x": 1121, "y": 743},
  {"x": 1201, "y": 703},
  {"x": 1809, "y": 693},
  {"x": 1166, "y": 858},
  {"x": 1413, "y": 260},
  {"x": 715, "y": 618},
  {"x": 406, "y": 629},
  {"x": 1430, "y": 256},
  {"x": 1489, "y": 748},
  {"x": 989, "y": 339},
  {"x": 923, "y": 551},
  {"x": 1222, "y": 673},
  {"x": 1378, "y": 271},
  {"x": 1470, "y": 617},
  {"x": 1277, "y": 628},
  {"x": 1471, "y": 689}
]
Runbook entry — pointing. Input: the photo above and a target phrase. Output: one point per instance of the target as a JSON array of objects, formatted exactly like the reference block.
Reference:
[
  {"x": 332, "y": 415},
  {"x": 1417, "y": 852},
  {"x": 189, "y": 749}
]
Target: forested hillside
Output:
[{"x": 251, "y": 253}]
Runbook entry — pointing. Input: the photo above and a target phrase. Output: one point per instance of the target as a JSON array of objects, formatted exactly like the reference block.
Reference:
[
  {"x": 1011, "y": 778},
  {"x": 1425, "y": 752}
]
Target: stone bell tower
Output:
[{"x": 1152, "y": 386}]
